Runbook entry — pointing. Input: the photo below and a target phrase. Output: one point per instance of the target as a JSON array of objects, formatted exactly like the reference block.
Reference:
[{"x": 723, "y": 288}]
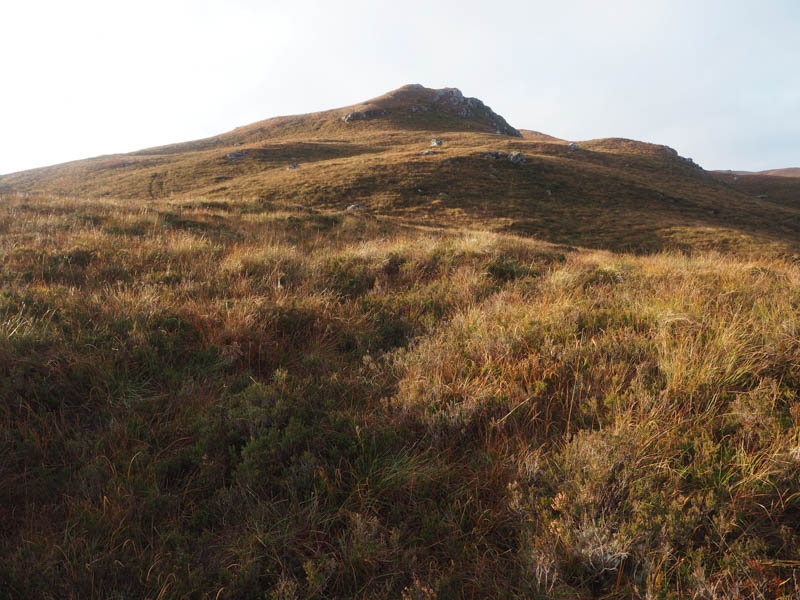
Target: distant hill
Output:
[
  {"x": 791, "y": 172},
  {"x": 608, "y": 193}
]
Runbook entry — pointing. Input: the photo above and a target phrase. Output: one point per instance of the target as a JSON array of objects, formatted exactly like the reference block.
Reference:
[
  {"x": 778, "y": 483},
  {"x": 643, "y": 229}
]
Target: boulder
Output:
[
  {"x": 354, "y": 207},
  {"x": 517, "y": 158},
  {"x": 365, "y": 115},
  {"x": 495, "y": 155},
  {"x": 574, "y": 146},
  {"x": 294, "y": 165},
  {"x": 427, "y": 153},
  {"x": 436, "y": 142}
]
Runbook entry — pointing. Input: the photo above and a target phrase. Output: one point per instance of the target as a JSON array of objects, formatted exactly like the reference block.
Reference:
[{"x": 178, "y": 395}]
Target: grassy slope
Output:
[
  {"x": 258, "y": 394},
  {"x": 610, "y": 194},
  {"x": 263, "y": 398}
]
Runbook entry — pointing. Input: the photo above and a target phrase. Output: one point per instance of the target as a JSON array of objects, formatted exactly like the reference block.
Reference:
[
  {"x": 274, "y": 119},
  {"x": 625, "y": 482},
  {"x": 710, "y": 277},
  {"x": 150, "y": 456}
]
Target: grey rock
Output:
[
  {"x": 456, "y": 103},
  {"x": 517, "y": 158},
  {"x": 427, "y": 153},
  {"x": 436, "y": 142},
  {"x": 495, "y": 155},
  {"x": 236, "y": 155},
  {"x": 574, "y": 146},
  {"x": 294, "y": 165},
  {"x": 365, "y": 115},
  {"x": 354, "y": 207}
]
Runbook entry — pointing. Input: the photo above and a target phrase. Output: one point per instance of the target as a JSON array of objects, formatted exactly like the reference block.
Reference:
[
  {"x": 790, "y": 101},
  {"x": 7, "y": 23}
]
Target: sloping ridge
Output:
[{"x": 791, "y": 172}]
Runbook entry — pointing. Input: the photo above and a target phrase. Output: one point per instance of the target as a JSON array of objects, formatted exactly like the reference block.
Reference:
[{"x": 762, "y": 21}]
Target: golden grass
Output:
[{"x": 242, "y": 399}]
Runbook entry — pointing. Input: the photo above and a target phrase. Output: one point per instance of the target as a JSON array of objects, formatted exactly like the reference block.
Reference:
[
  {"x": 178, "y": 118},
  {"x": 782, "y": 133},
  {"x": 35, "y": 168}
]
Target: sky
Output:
[{"x": 716, "y": 80}]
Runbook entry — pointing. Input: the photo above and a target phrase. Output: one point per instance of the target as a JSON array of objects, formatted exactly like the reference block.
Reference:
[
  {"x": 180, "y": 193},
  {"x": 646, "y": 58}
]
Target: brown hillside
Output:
[
  {"x": 221, "y": 380},
  {"x": 793, "y": 172},
  {"x": 608, "y": 193}
]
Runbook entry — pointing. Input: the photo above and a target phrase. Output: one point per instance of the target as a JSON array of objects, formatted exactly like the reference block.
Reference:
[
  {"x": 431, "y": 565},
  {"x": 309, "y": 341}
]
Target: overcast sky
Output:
[{"x": 717, "y": 80}]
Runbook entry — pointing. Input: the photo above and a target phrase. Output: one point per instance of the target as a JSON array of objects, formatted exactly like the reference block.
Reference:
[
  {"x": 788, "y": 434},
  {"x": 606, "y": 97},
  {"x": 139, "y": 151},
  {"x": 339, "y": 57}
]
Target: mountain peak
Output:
[{"x": 444, "y": 107}]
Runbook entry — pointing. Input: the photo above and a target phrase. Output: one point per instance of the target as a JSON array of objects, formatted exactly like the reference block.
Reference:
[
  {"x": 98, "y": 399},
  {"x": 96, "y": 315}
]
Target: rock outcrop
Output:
[
  {"x": 453, "y": 101},
  {"x": 517, "y": 158},
  {"x": 365, "y": 115},
  {"x": 424, "y": 104}
]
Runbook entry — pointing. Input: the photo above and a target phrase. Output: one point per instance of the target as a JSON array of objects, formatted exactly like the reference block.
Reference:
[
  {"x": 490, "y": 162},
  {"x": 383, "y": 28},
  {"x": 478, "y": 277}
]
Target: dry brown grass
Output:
[{"x": 239, "y": 399}]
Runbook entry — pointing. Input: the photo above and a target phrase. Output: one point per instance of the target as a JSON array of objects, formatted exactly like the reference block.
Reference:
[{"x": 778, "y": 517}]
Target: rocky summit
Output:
[{"x": 417, "y": 100}]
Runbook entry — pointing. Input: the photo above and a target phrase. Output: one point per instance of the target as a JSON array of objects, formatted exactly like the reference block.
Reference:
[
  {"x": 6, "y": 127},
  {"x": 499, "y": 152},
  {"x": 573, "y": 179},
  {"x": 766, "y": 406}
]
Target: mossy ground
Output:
[{"x": 242, "y": 399}]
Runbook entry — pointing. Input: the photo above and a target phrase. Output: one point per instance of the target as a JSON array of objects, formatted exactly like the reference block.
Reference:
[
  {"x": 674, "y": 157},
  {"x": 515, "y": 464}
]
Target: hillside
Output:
[
  {"x": 613, "y": 194},
  {"x": 791, "y": 172},
  {"x": 570, "y": 376}
]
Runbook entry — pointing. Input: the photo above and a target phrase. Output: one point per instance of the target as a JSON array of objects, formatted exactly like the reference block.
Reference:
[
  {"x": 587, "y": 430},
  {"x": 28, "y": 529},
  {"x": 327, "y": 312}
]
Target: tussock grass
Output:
[{"x": 242, "y": 399}]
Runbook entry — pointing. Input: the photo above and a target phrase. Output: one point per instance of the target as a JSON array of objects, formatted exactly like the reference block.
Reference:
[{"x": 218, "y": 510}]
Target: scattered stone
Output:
[
  {"x": 495, "y": 155},
  {"x": 418, "y": 109},
  {"x": 517, "y": 158},
  {"x": 354, "y": 207},
  {"x": 365, "y": 115},
  {"x": 436, "y": 142},
  {"x": 574, "y": 146}
]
